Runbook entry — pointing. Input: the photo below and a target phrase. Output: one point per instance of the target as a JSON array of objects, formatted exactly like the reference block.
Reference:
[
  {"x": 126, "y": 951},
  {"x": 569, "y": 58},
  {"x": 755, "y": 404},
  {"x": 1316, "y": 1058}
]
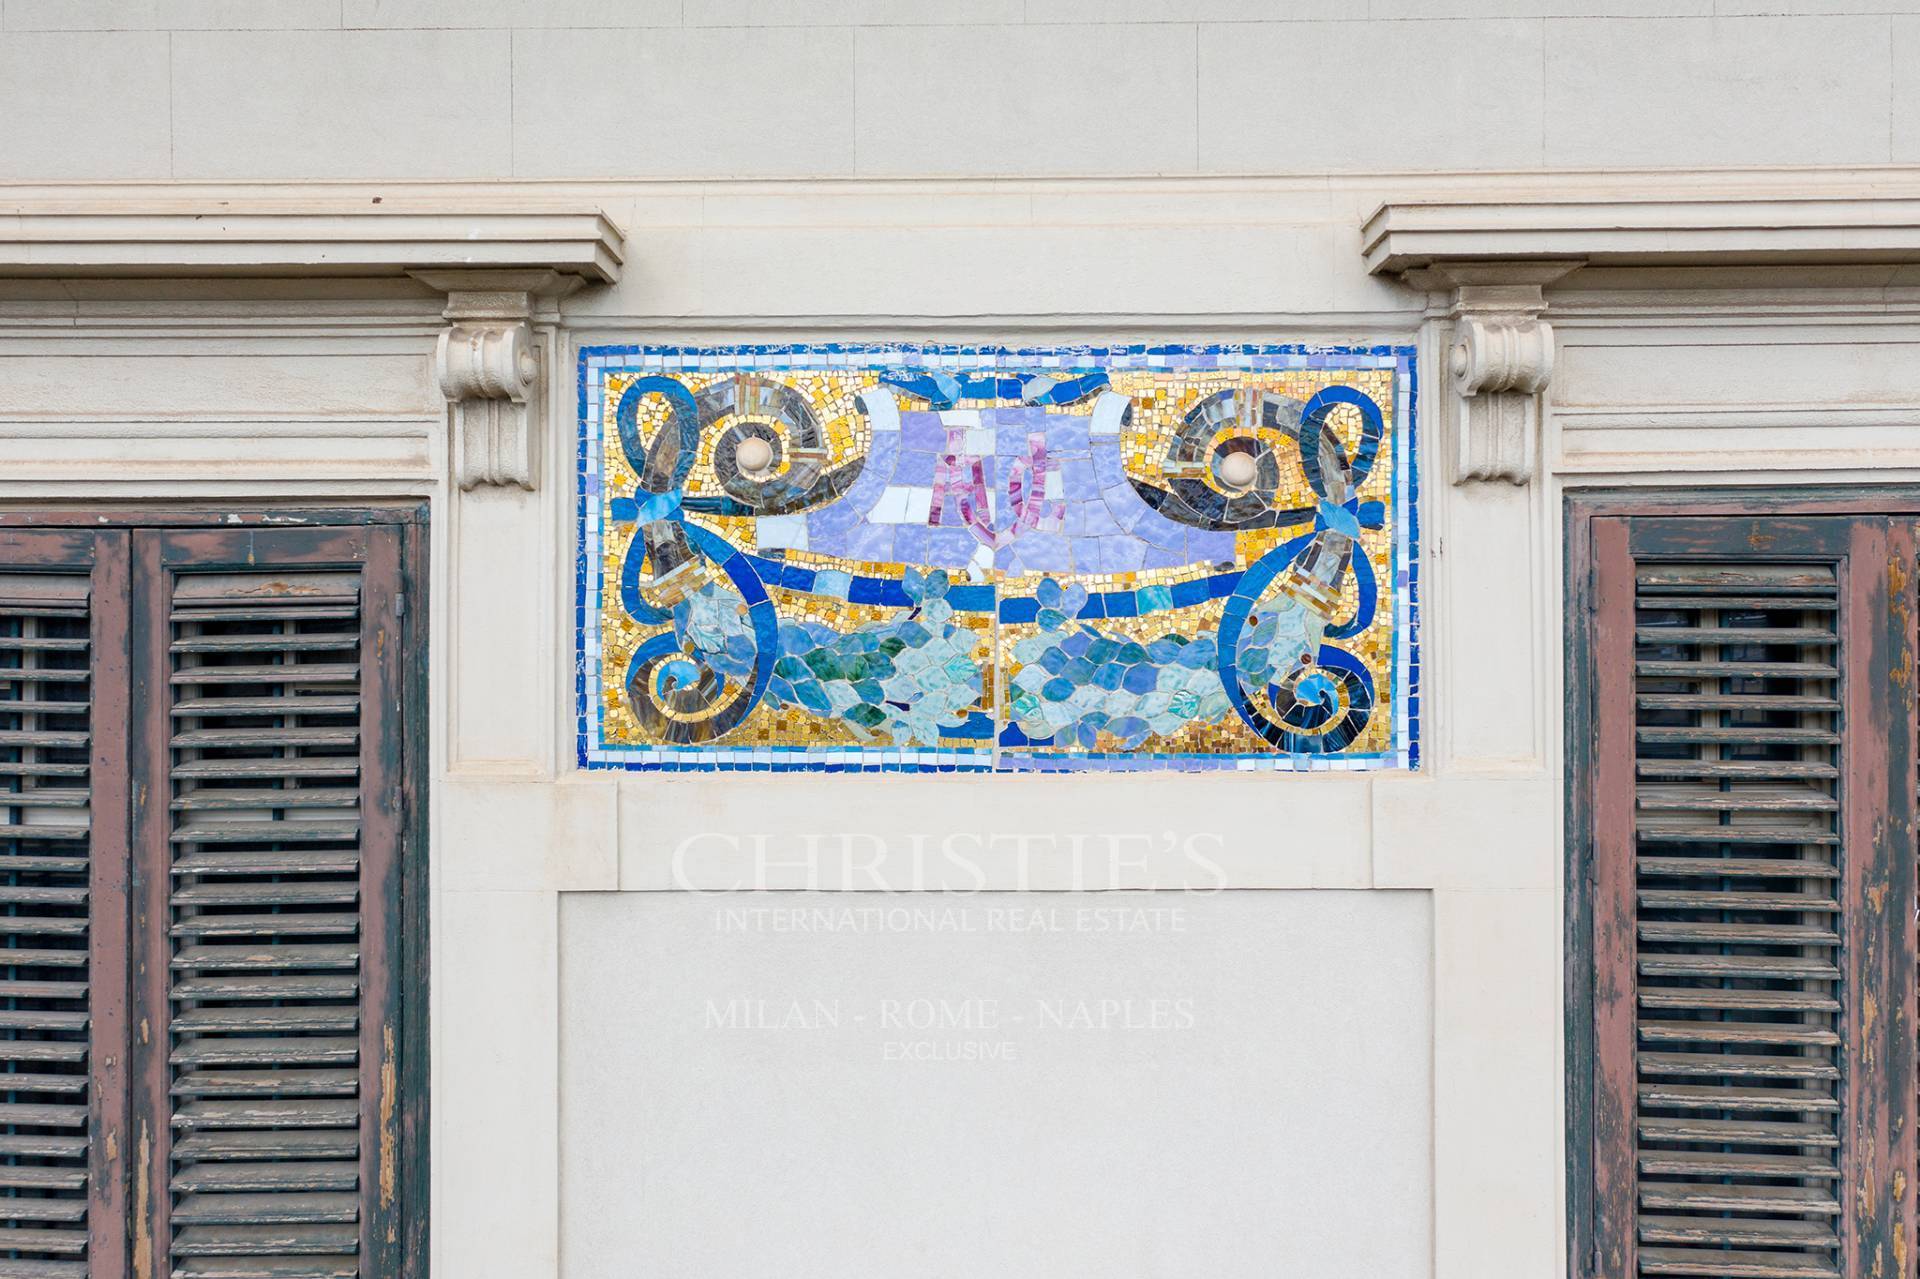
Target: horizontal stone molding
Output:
[
  {"x": 263, "y": 237},
  {"x": 1407, "y": 236}
]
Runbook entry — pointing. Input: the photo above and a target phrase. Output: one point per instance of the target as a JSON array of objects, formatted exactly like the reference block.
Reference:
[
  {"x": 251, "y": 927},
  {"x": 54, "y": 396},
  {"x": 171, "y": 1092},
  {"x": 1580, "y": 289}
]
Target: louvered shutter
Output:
[
  {"x": 267, "y": 829},
  {"x": 1749, "y": 805},
  {"x": 63, "y": 972}
]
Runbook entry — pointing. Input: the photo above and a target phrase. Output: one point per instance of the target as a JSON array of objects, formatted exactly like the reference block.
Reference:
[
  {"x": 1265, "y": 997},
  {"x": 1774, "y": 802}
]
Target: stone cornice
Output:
[
  {"x": 277, "y": 238},
  {"x": 501, "y": 267},
  {"x": 1681, "y": 232}
]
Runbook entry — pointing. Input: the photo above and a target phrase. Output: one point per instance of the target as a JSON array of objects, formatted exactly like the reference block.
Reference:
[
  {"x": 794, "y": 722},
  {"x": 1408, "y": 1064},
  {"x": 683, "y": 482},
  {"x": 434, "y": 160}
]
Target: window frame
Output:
[
  {"x": 406, "y": 1211},
  {"x": 1588, "y": 515}
]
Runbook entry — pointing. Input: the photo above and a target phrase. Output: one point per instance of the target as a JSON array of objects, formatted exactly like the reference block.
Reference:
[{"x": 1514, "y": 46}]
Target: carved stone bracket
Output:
[
  {"x": 491, "y": 362},
  {"x": 1499, "y": 363}
]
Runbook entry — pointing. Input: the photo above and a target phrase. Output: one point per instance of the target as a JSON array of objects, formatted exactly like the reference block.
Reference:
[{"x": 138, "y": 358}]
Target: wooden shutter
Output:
[
  {"x": 1743, "y": 734},
  {"x": 63, "y": 903},
  {"x": 267, "y": 828}
]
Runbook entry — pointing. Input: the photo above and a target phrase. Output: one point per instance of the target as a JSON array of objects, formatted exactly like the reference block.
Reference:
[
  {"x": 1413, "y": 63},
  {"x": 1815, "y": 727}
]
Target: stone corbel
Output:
[
  {"x": 1499, "y": 362},
  {"x": 491, "y": 362}
]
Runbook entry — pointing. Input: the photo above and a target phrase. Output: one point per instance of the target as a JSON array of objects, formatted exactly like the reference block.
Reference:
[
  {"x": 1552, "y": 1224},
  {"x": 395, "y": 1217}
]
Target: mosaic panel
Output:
[{"x": 940, "y": 559}]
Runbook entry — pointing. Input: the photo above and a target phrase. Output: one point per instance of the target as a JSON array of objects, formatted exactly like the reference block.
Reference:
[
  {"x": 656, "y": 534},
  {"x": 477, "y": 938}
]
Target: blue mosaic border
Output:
[{"x": 593, "y": 754}]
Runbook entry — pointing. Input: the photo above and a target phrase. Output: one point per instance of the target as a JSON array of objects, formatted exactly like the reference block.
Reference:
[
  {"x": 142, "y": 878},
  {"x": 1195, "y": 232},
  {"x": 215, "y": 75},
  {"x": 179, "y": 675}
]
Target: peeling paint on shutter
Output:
[
  {"x": 272, "y": 965},
  {"x": 62, "y": 904},
  {"x": 1751, "y": 792}
]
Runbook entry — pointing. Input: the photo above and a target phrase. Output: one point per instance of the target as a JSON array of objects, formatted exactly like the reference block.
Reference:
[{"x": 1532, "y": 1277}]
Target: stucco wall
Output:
[
  {"x": 218, "y": 89},
  {"x": 769, "y": 164}
]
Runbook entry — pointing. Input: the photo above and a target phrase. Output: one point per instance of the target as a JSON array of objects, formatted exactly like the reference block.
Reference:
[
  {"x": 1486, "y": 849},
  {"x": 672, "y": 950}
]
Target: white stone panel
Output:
[
  {"x": 1498, "y": 1166},
  {"x": 1175, "y": 11},
  {"x": 1466, "y": 832},
  {"x": 707, "y": 102},
  {"x": 999, "y": 270},
  {"x": 1692, "y": 377},
  {"x": 83, "y": 106},
  {"x": 1906, "y": 89},
  {"x": 1718, "y": 91},
  {"x": 317, "y": 104},
  {"x": 197, "y": 379},
  {"x": 1366, "y": 95},
  {"x": 598, "y": 14},
  {"x": 495, "y": 1038},
  {"x": 830, "y": 13},
  {"x": 1010, "y": 99},
  {"x": 168, "y": 15},
  {"x": 1545, "y": 8},
  {"x": 1239, "y": 1091}
]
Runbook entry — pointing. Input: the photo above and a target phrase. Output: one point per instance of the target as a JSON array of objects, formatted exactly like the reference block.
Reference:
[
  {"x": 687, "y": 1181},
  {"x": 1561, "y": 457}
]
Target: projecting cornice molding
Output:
[
  {"x": 1497, "y": 257},
  {"x": 501, "y": 268},
  {"x": 266, "y": 238},
  {"x": 1403, "y": 237}
]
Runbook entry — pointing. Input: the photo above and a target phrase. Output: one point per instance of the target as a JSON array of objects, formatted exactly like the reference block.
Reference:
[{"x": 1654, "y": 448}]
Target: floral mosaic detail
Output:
[{"x": 963, "y": 559}]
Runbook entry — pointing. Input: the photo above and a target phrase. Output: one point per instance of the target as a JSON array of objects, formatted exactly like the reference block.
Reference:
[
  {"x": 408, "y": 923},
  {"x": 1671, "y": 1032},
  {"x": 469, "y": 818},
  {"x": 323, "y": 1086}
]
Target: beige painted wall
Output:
[
  {"x": 234, "y": 391},
  {"x": 767, "y": 162}
]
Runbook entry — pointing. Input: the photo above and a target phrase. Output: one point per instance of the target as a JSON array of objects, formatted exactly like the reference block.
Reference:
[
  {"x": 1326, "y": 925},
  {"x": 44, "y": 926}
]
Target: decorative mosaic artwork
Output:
[{"x": 941, "y": 559}]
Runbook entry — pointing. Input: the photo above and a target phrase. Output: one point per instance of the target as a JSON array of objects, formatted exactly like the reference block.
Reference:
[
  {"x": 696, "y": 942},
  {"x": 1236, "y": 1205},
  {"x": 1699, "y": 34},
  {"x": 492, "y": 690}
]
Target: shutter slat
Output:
[
  {"x": 264, "y": 1267},
  {"x": 1706, "y": 670},
  {"x": 267, "y": 958},
  {"x": 266, "y": 643},
  {"x": 1734, "y": 1264},
  {"x": 250, "y": 707},
  {"x": 1738, "y": 1132},
  {"x": 41, "y": 1208},
  {"x": 1720, "y": 1097},
  {"x": 303, "y": 987},
  {"x": 26, "y": 1268},
  {"x": 248, "y": 1209},
  {"x": 287, "y": 832},
  {"x": 275, "y": 1113},
  {"x": 1736, "y": 900},
  {"x": 1742, "y": 1230},
  {"x": 1805, "y": 636},
  {"x": 276, "y": 861},
  {"x": 209, "y": 799},
  {"x": 266, "y": 1083},
  {"x": 266, "y": 737},
  {"x": 227, "y": 892},
  {"x": 1731, "y": 867},
  {"x": 304, "y": 673},
  {"x": 1737, "y": 1065},
  {"x": 218, "y": 1146},
  {"x": 289, "y": 1175},
  {"x": 59, "y": 1242},
  {"x": 315, "y": 925},
  {"x": 288, "y": 1239},
  {"x": 1752, "y": 1033},
  {"x": 1712, "y": 934},
  {"x": 1719, "y": 1163},
  {"x": 1788, "y": 1001},
  {"x": 253, "y": 1019}
]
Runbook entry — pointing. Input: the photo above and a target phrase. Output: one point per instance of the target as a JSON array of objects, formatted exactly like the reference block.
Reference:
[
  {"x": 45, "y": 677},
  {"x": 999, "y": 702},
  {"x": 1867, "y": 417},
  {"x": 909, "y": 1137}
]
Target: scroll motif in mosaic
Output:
[{"x": 937, "y": 559}]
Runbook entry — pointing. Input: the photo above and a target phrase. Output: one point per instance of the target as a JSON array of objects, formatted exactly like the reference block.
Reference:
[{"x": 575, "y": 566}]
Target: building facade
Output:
[{"x": 992, "y": 637}]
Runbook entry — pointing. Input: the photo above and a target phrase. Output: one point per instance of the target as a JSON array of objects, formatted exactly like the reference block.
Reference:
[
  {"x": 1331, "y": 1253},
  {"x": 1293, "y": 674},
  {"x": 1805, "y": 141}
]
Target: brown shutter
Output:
[
  {"x": 1744, "y": 726},
  {"x": 267, "y": 841},
  {"x": 63, "y": 716}
]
